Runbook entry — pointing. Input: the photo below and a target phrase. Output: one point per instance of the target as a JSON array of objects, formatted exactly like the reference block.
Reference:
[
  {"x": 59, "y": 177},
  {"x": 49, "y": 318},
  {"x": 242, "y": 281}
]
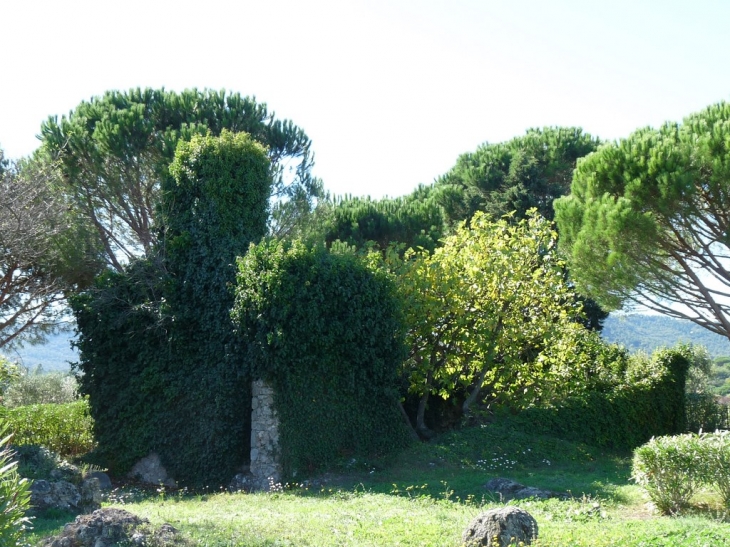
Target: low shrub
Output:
[
  {"x": 670, "y": 469},
  {"x": 716, "y": 467},
  {"x": 14, "y": 495},
  {"x": 63, "y": 428},
  {"x": 40, "y": 387}
]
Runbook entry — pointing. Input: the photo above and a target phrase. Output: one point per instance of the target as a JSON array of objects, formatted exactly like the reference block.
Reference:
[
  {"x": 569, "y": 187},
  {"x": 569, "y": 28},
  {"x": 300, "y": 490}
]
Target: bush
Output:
[
  {"x": 716, "y": 455},
  {"x": 670, "y": 469},
  {"x": 14, "y": 495},
  {"x": 63, "y": 428},
  {"x": 39, "y": 387}
]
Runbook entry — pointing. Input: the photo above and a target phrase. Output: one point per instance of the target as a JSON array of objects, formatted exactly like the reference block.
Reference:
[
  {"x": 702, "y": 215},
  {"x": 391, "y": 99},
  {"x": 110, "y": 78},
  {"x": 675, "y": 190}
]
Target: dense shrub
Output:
[
  {"x": 704, "y": 412},
  {"x": 670, "y": 470},
  {"x": 716, "y": 455},
  {"x": 63, "y": 428},
  {"x": 39, "y": 387},
  {"x": 325, "y": 332},
  {"x": 14, "y": 495},
  {"x": 160, "y": 361},
  {"x": 647, "y": 400}
]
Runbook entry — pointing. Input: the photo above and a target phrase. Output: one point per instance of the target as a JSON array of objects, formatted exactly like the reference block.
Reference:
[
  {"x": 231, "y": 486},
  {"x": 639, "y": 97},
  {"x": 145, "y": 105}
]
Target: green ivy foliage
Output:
[
  {"x": 325, "y": 331},
  {"x": 123, "y": 343},
  {"x": 646, "y": 400},
  {"x": 161, "y": 363}
]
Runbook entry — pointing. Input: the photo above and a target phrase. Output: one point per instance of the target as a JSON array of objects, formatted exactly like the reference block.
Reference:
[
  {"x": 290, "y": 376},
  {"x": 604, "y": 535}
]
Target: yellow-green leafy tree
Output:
[{"x": 481, "y": 308}]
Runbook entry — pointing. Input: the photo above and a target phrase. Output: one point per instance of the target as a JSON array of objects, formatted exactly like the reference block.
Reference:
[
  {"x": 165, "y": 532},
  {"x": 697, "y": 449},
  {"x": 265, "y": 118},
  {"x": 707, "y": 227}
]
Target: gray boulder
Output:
[
  {"x": 150, "y": 470},
  {"x": 109, "y": 527},
  {"x": 105, "y": 482},
  {"x": 512, "y": 490},
  {"x": 66, "y": 496},
  {"x": 500, "y": 528},
  {"x": 91, "y": 496},
  {"x": 59, "y": 494}
]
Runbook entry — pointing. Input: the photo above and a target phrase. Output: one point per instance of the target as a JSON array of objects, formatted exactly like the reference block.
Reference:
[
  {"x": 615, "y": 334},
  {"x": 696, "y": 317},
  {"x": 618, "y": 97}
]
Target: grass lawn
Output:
[{"x": 428, "y": 495}]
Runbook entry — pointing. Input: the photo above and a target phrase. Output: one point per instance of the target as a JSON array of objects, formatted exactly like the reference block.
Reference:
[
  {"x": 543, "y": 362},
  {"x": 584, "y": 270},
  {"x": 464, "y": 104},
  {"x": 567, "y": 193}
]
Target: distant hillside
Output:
[
  {"x": 53, "y": 355},
  {"x": 648, "y": 332}
]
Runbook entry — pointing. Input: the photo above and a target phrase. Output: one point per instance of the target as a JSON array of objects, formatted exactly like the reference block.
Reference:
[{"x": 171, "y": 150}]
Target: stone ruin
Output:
[{"x": 264, "y": 472}]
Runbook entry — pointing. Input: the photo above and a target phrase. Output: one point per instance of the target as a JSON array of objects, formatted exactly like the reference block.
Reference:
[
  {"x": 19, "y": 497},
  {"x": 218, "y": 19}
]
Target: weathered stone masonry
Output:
[{"x": 265, "y": 464}]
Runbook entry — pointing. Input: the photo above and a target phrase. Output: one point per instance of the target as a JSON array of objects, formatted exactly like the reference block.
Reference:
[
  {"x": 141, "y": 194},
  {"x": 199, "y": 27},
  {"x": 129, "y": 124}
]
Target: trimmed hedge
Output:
[
  {"x": 63, "y": 428},
  {"x": 649, "y": 401},
  {"x": 325, "y": 331}
]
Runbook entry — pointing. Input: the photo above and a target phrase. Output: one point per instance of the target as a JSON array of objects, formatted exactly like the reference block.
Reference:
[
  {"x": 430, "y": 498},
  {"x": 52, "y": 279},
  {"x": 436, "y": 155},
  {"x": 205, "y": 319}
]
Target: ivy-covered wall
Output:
[
  {"x": 325, "y": 331},
  {"x": 161, "y": 364},
  {"x": 648, "y": 402}
]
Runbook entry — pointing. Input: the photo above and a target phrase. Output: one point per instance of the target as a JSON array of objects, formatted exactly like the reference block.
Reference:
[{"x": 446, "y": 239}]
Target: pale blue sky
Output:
[{"x": 391, "y": 92}]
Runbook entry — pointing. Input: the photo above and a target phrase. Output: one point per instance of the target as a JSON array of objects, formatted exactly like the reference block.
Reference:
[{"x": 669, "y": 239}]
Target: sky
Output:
[{"x": 390, "y": 92}]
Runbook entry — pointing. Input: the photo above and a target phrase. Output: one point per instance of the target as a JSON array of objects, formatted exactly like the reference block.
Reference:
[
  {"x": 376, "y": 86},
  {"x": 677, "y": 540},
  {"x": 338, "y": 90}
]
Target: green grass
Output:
[{"x": 428, "y": 495}]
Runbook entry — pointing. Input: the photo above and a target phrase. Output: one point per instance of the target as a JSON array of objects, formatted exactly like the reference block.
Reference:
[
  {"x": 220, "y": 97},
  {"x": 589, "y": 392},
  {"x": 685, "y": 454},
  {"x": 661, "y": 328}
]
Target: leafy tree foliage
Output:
[
  {"x": 325, "y": 331},
  {"x": 518, "y": 175},
  {"x": 720, "y": 376},
  {"x": 514, "y": 176},
  {"x": 159, "y": 357},
  {"x": 416, "y": 220},
  {"x": 499, "y": 179},
  {"x": 34, "y": 387},
  {"x": 505, "y": 178},
  {"x": 648, "y": 220},
  {"x": 481, "y": 306},
  {"x": 45, "y": 252},
  {"x": 115, "y": 150}
]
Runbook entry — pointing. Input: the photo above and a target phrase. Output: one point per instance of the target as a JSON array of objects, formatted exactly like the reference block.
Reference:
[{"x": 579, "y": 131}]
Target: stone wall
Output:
[{"x": 265, "y": 466}]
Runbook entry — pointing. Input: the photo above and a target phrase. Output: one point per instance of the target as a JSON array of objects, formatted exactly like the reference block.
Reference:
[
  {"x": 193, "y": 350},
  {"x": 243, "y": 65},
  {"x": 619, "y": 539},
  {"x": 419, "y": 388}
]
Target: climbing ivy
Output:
[
  {"x": 646, "y": 399},
  {"x": 160, "y": 361},
  {"x": 325, "y": 331}
]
